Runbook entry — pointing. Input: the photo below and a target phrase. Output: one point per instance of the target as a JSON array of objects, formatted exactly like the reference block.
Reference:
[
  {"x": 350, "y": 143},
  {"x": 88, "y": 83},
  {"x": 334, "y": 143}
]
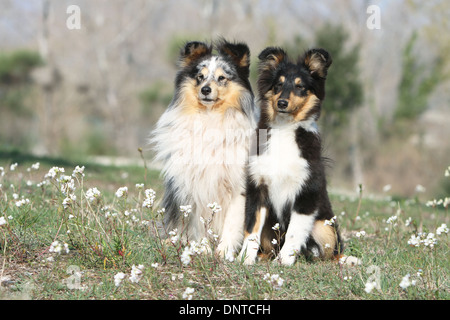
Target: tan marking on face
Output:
[
  {"x": 282, "y": 79},
  {"x": 228, "y": 96},
  {"x": 189, "y": 94},
  {"x": 303, "y": 106},
  {"x": 270, "y": 108},
  {"x": 204, "y": 72},
  {"x": 297, "y": 81}
]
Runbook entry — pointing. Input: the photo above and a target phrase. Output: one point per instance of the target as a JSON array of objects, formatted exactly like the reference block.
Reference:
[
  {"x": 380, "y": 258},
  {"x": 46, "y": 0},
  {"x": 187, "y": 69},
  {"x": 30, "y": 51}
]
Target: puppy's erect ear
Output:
[
  {"x": 193, "y": 51},
  {"x": 317, "y": 61},
  {"x": 271, "y": 57},
  {"x": 238, "y": 52}
]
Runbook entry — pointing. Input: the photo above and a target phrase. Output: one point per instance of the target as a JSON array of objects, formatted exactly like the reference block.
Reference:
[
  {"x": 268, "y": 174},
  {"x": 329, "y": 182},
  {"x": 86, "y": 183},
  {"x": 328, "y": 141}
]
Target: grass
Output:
[{"x": 109, "y": 235}]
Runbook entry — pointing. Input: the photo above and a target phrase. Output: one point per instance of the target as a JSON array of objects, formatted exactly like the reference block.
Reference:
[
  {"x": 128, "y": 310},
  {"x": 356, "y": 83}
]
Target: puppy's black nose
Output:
[
  {"x": 282, "y": 104},
  {"x": 206, "y": 90}
]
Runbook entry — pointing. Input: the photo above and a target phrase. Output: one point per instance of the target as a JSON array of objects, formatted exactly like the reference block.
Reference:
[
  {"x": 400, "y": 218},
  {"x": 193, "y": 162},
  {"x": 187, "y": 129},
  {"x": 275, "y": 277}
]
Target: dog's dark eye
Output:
[
  {"x": 200, "y": 78},
  {"x": 221, "y": 78},
  {"x": 298, "y": 86},
  {"x": 278, "y": 86}
]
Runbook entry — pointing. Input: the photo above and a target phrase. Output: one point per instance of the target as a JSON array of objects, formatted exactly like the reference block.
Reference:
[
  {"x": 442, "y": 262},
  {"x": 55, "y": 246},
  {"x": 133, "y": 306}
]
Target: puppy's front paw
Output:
[
  {"x": 287, "y": 256},
  {"x": 225, "y": 253}
]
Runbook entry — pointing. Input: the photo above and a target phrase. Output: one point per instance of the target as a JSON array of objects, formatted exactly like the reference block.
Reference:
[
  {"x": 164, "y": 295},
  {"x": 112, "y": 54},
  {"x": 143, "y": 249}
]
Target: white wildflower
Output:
[
  {"x": 155, "y": 265},
  {"x": 35, "y": 166},
  {"x": 446, "y": 202},
  {"x": 419, "y": 273},
  {"x": 52, "y": 173},
  {"x": 361, "y": 234},
  {"x": 55, "y": 247},
  {"x": 118, "y": 278},
  {"x": 428, "y": 240},
  {"x": 406, "y": 282},
  {"x": 434, "y": 203},
  {"x": 2, "y": 171},
  {"x": 188, "y": 293},
  {"x": 68, "y": 185},
  {"x": 41, "y": 184},
  {"x": 2, "y": 221},
  {"x": 136, "y": 273},
  {"x": 392, "y": 220},
  {"x": 387, "y": 187},
  {"x": 22, "y": 202},
  {"x": 13, "y": 166},
  {"x": 420, "y": 188},
  {"x": 274, "y": 241},
  {"x": 140, "y": 186},
  {"x": 370, "y": 285},
  {"x": 408, "y": 222},
  {"x": 93, "y": 194},
  {"x": 186, "y": 210},
  {"x": 276, "y": 226},
  {"x": 214, "y": 207},
  {"x": 330, "y": 222},
  {"x": 149, "y": 200},
  {"x": 447, "y": 172},
  {"x": 442, "y": 229},
  {"x": 68, "y": 201},
  {"x": 186, "y": 255},
  {"x": 274, "y": 280},
  {"x": 174, "y": 235},
  {"x": 414, "y": 241},
  {"x": 78, "y": 171},
  {"x": 122, "y": 192}
]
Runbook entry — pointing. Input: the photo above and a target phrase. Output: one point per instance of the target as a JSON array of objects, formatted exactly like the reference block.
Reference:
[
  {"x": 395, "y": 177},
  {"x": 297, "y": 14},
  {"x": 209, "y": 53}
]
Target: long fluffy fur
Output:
[
  {"x": 286, "y": 181},
  {"x": 204, "y": 146}
]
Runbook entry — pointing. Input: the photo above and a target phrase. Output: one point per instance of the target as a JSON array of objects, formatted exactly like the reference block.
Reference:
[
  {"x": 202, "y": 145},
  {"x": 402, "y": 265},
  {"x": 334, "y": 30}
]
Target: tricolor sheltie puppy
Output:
[
  {"x": 202, "y": 140},
  {"x": 286, "y": 181}
]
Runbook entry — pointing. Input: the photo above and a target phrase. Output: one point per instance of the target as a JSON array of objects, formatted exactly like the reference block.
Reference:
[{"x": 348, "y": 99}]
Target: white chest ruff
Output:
[
  {"x": 281, "y": 167},
  {"x": 204, "y": 155}
]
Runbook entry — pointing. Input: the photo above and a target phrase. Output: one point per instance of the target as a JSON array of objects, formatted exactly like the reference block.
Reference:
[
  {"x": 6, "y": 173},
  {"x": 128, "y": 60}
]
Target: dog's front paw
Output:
[
  {"x": 246, "y": 258},
  {"x": 225, "y": 253},
  {"x": 287, "y": 257}
]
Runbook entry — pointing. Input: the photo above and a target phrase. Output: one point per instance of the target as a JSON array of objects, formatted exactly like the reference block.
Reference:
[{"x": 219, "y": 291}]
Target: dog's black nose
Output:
[
  {"x": 206, "y": 90},
  {"x": 282, "y": 104}
]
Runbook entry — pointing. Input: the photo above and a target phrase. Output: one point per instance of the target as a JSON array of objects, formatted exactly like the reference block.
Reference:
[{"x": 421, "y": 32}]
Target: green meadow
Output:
[{"x": 74, "y": 231}]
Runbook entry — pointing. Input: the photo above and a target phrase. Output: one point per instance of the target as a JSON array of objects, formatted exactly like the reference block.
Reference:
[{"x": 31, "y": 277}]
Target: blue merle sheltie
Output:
[
  {"x": 287, "y": 206},
  {"x": 202, "y": 139}
]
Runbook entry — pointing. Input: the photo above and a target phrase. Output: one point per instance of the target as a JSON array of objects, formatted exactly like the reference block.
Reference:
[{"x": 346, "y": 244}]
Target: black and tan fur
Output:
[{"x": 286, "y": 181}]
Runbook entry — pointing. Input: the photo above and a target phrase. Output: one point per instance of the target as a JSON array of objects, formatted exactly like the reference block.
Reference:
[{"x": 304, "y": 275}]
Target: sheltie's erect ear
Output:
[
  {"x": 269, "y": 61},
  {"x": 270, "y": 58},
  {"x": 238, "y": 52},
  {"x": 193, "y": 51},
  {"x": 317, "y": 61}
]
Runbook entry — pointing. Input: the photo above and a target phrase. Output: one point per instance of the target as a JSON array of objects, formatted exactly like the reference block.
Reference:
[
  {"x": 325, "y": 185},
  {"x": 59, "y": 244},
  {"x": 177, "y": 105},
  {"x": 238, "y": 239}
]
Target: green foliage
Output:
[
  {"x": 416, "y": 83},
  {"x": 15, "y": 67},
  {"x": 158, "y": 93},
  {"x": 15, "y": 70},
  {"x": 344, "y": 91},
  {"x": 110, "y": 233}
]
